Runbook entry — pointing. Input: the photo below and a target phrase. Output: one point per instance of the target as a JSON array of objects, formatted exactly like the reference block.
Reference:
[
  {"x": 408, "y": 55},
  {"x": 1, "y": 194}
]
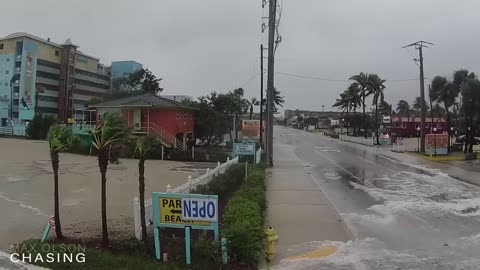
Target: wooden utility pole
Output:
[
  {"x": 270, "y": 78},
  {"x": 261, "y": 93},
  {"x": 419, "y": 45}
]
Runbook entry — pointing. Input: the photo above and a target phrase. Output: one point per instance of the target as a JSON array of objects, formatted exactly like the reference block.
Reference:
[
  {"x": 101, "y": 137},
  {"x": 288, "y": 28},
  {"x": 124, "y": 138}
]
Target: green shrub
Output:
[
  {"x": 225, "y": 184},
  {"x": 243, "y": 218},
  {"x": 38, "y": 128}
]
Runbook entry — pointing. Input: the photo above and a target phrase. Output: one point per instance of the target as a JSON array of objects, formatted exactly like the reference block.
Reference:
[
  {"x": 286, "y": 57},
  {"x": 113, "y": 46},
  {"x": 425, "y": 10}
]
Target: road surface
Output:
[{"x": 403, "y": 214}]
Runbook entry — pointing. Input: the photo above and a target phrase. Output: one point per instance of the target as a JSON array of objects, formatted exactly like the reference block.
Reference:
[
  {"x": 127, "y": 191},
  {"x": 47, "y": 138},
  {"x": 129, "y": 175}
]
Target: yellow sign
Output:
[{"x": 171, "y": 212}]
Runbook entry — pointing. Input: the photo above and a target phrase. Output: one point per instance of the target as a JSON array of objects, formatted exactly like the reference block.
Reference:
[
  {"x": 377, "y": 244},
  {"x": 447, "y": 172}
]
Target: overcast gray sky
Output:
[{"x": 213, "y": 45}]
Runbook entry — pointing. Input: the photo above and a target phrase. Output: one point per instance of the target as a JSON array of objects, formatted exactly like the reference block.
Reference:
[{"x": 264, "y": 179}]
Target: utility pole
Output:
[
  {"x": 261, "y": 93},
  {"x": 270, "y": 77},
  {"x": 419, "y": 45}
]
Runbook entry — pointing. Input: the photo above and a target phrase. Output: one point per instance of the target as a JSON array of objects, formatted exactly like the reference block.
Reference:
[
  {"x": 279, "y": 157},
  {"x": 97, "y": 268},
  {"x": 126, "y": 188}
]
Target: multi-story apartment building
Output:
[
  {"x": 124, "y": 68},
  {"x": 38, "y": 75}
]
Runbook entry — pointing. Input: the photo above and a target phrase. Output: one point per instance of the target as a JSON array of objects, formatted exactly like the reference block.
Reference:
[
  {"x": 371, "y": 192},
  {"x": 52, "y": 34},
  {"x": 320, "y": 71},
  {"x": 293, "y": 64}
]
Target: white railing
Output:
[
  {"x": 163, "y": 135},
  {"x": 258, "y": 156},
  {"x": 360, "y": 140},
  {"x": 398, "y": 147},
  {"x": 185, "y": 188}
]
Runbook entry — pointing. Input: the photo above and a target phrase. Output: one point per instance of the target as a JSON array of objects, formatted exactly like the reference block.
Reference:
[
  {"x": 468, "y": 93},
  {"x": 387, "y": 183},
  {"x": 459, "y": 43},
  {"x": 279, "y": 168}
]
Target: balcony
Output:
[
  {"x": 17, "y": 70},
  {"x": 18, "y": 58},
  {"x": 16, "y": 83}
]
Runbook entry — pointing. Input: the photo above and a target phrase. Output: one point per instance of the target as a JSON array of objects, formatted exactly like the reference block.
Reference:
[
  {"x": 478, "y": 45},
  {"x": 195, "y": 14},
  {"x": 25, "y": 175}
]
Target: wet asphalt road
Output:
[{"x": 403, "y": 215}]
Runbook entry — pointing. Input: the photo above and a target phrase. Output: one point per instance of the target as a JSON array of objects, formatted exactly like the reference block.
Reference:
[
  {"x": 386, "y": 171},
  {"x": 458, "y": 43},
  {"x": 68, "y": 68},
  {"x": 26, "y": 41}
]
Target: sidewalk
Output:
[{"x": 297, "y": 208}]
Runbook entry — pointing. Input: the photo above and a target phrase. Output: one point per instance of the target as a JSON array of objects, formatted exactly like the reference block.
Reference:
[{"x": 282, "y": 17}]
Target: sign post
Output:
[{"x": 184, "y": 211}]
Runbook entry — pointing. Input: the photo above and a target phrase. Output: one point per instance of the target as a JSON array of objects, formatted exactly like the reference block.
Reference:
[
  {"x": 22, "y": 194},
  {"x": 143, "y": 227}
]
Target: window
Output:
[
  {"x": 57, "y": 53},
  {"x": 1, "y": 46},
  {"x": 178, "y": 115},
  {"x": 6, "y": 84},
  {"x": 427, "y": 125},
  {"x": 7, "y": 71},
  {"x": 7, "y": 59}
]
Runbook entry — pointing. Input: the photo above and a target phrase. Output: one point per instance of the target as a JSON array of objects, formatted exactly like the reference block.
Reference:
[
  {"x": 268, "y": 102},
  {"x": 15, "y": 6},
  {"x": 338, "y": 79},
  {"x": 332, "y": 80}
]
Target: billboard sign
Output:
[{"x": 250, "y": 129}]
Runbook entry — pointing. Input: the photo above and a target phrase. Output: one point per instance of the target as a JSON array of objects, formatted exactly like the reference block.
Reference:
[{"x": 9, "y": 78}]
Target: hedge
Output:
[{"x": 243, "y": 219}]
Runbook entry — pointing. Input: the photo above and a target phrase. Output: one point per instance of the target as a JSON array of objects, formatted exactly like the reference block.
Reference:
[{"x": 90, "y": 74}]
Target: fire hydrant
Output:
[{"x": 272, "y": 240}]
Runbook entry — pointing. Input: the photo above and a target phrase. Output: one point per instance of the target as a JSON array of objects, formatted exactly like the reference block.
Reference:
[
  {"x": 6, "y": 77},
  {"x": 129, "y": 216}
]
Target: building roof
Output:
[
  {"x": 143, "y": 100},
  {"x": 46, "y": 41},
  {"x": 417, "y": 119}
]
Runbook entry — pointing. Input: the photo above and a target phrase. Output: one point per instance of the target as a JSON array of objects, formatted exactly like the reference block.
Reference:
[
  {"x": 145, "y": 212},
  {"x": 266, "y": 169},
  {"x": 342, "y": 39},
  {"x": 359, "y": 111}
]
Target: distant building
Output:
[
  {"x": 124, "y": 68},
  {"x": 401, "y": 126},
  {"x": 38, "y": 75},
  {"x": 178, "y": 98}
]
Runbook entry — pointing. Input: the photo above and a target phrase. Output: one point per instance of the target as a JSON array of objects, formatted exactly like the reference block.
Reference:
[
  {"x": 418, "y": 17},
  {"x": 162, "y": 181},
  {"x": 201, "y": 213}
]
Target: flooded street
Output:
[{"x": 403, "y": 215}]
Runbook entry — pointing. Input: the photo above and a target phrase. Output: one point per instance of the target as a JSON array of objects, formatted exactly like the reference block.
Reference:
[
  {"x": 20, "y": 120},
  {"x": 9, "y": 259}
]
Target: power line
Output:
[{"x": 337, "y": 80}]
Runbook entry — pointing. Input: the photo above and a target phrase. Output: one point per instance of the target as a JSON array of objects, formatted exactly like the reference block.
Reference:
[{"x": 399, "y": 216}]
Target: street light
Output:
[
  {"x": 435, "y": 141},
  {"x": 343, "y": 123},
  {"x": 450, "y": 137},
  {"x": 418, "y": 139}
]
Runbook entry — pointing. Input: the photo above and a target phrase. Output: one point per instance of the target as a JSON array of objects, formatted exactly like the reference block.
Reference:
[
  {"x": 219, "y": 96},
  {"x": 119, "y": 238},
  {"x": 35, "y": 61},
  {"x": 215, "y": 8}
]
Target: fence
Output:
[
  {"x": 185, "y": 188},
  {"x": 359, "y": 140},
  {"x": 258, "y": 156}
]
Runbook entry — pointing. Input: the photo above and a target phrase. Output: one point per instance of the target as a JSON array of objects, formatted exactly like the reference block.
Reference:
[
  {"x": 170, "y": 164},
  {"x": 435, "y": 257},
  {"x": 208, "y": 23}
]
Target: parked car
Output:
[{"x": 461, "y": 139}]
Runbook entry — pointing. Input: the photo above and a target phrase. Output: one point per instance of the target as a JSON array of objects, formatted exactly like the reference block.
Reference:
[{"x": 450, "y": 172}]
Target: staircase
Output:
[
  {"x": 6, "y": 131},
  {"x": 166, "y": 138}
]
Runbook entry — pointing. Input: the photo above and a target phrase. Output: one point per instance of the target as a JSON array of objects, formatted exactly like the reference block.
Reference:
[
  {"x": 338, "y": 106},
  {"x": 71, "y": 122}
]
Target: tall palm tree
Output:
[
  {"x": 403, "y": 108},
  {"x": 376, "y": 87},
  {"x": 363, "y": 82},
  {"x": 60, "y": 138},
  {"x": 446, "y": 93},
  {"x": 355, "y": 94},
  {"x": 417, "y": 105},
  {"x": 251, "y": 103},
  {"x": 104, "y": 136},
  {"x": 343, "y": 103},
  {"x": 278, "y": 101},
  {"x": 142, "y": 150}
]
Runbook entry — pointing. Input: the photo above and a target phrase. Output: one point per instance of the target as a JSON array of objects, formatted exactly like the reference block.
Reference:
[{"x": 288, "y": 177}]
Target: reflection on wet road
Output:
[{"x": 403, "y": 215}]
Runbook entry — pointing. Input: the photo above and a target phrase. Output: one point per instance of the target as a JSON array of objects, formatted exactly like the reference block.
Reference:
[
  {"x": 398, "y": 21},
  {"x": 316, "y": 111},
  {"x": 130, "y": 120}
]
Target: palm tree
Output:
[
  {"x": 104, "y": 136},
  {"x": 445, "y": 92},
  {"x": 417, "y": 105},
  {"x": 354, "y": 92},
  {"x": 60, "y": 138},
  {"x": 278, "y": 101},
  {"x": 144, "y": 146},
  {"x": 343, "y": 103},
  {"x": 251, "y": 103},
  {"x": 376, "y": 87},
  {"x": 363, "y": 82},
  {"x": 403, "y": 108}
]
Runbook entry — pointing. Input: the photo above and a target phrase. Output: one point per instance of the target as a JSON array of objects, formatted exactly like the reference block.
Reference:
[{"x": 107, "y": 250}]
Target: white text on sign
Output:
[{"x": 200, "y": 209}]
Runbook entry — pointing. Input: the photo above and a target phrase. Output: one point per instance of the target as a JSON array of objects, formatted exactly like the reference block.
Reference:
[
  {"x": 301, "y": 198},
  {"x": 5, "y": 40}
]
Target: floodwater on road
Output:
[{"x": 403, "y": 216}]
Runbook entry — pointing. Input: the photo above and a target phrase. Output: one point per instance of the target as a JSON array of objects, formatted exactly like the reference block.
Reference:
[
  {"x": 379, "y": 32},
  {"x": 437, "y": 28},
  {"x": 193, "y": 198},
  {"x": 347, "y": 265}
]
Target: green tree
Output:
[
  {"x": 385, "y": 108},
  {"x": 362, "y": 80},
  {"x": 60, "y": 138},
  {"x": 444, "y": 92},
  {"x": 470, "y": 90},
  {"x": 104, "y": 136},
  {"x": 38, "y": 128},
  {"x": 376, "y": 87},
  {"x": 142, "y": 150},
  {"x": 278, "y": 101},
  {"x": 417, "y": 105},
  {"x": 403, "y": 108}
]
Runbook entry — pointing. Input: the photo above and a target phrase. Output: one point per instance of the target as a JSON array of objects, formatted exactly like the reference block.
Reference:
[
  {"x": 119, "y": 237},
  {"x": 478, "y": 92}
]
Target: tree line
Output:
[{"x": 458, "y": 100}]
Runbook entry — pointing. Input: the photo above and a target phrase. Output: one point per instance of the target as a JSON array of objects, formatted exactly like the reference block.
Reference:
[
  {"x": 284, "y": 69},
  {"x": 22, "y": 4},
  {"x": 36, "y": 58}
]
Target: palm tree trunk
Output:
[
  {"x": 141, "y": 189},
  {"x": 251, "y": 111},
  {"x": 354, "y": 119},
  {"x": 364, "y": 115},
  {"x": 347, "y": 120},
  {"x": 448, "y": 126},
  {"x": 55, "y": 166},
  {"x": 376, "y": 122},
  {"x": 103, "y": 164}
]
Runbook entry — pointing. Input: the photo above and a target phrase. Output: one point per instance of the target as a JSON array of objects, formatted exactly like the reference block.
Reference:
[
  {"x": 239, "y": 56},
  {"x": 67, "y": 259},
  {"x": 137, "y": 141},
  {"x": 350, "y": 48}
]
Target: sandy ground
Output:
[{"x": 26, "y": 191}]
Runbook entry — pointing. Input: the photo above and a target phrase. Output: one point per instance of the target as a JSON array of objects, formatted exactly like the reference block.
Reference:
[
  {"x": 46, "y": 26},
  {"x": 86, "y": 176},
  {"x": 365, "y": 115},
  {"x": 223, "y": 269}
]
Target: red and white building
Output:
[
  {"x": 402, "y": 126},
  {"x": 171, "y": 121}
]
